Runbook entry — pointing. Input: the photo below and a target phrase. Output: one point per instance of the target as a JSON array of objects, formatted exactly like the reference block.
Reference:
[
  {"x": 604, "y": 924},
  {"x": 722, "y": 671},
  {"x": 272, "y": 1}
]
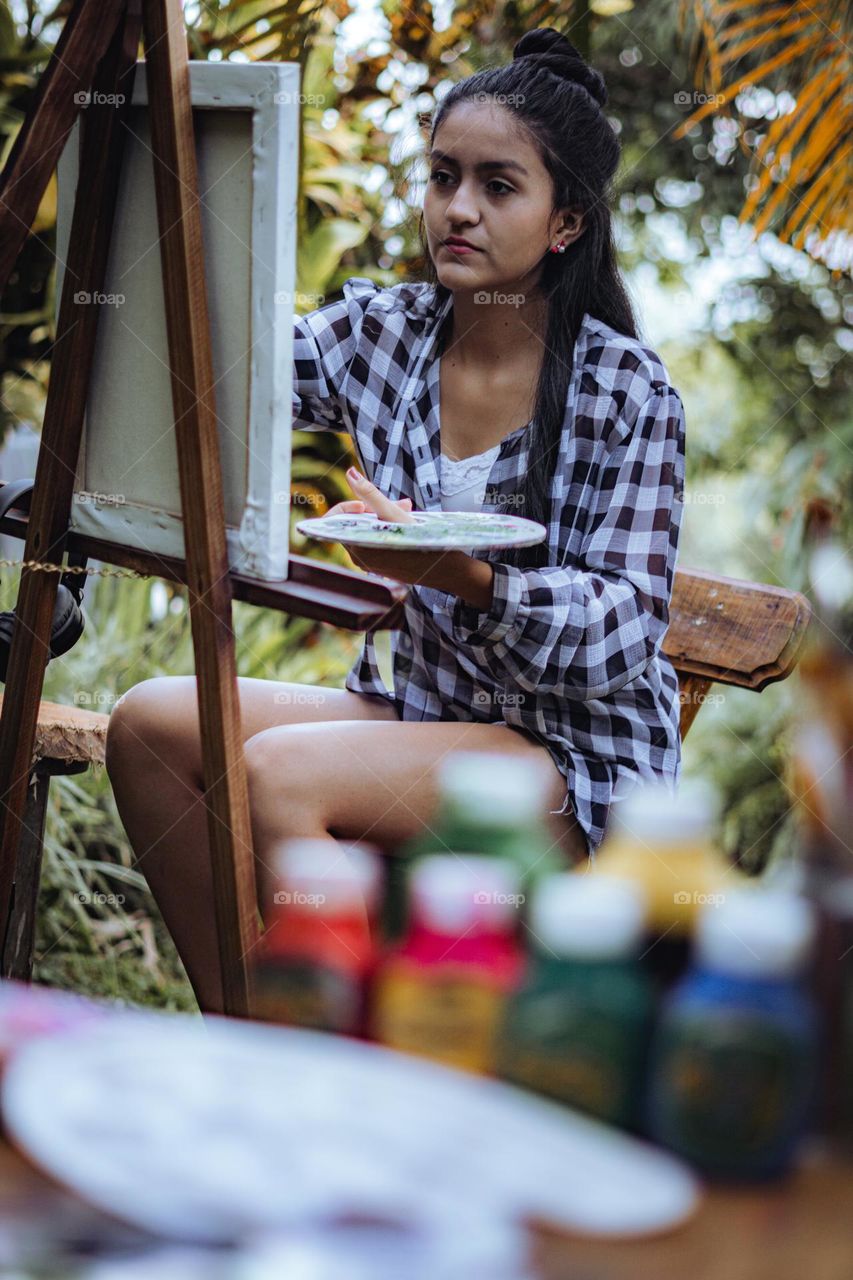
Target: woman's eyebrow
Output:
[{"x": 485, "y": 164}]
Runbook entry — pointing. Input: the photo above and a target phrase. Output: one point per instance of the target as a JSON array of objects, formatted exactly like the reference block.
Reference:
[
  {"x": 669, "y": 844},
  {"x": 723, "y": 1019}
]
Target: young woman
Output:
[{"x": 513, "y": 378}]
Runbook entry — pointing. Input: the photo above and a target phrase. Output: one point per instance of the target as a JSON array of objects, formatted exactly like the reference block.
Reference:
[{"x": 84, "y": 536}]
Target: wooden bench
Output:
[
  {"x": 729, "y": 631},
  {"x": 722, "y": 630},
  {"x": 68, "y": 740}
]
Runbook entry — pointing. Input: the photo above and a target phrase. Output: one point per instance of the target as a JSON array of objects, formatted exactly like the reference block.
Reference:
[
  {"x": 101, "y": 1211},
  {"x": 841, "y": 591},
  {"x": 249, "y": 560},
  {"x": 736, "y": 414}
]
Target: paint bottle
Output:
[
  {"x": 488, "y": 804},
  {"x": 318, "y": 954},
  {"x": 735, "y": 1055},
  {"x": 578, "y": 1028},
  {"x": 441, "y": 992},
  {"x": 663, "y": 840}
]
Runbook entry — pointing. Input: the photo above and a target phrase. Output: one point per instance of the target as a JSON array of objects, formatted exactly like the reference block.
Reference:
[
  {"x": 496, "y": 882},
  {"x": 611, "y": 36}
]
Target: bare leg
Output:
[
  {"x": 375, "y": 782},
  {"x": 155, "y": 767}
]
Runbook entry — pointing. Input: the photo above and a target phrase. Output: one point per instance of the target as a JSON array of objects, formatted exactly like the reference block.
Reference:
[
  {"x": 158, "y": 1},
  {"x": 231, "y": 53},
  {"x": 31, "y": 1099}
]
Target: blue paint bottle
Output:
[{"x": 734, "y": 1060}]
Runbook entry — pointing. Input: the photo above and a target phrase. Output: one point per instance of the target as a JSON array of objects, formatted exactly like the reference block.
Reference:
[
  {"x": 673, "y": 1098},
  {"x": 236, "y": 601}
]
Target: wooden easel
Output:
[{"x": 97, "y": 52}]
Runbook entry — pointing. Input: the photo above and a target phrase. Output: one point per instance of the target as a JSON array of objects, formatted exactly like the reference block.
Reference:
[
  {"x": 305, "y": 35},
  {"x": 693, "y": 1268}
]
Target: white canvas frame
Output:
[{"x": 126, "y": 489}]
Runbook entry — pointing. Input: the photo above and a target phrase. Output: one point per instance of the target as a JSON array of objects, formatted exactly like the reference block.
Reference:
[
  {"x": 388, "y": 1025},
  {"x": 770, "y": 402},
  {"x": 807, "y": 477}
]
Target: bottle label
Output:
[
  {"x": 575, "y": 1054},
  {"x": 450, "y": 1018},
  {"x": 729, "y": 1089},
  {"x": 306, "y": 995}
]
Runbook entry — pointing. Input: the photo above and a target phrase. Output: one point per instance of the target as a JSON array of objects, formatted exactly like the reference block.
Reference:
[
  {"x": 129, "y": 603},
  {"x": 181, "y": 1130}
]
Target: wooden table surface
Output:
[{"x": 801, "y": 1229}]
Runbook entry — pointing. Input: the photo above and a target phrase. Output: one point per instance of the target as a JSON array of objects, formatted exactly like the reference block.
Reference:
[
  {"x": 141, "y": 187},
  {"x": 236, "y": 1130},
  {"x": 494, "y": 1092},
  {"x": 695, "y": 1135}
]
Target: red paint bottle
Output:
[
  {"x": 318, "y": 953},
  {"x": 442, "y": 992}
]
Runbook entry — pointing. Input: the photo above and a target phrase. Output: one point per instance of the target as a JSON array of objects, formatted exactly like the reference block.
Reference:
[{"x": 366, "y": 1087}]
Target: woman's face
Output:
[{"x": 488, "y": 185}]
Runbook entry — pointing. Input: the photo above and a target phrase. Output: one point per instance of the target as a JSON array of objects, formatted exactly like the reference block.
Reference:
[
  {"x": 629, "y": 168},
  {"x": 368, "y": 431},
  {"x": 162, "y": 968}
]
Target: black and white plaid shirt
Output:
[{"x": 568, "y": 653}]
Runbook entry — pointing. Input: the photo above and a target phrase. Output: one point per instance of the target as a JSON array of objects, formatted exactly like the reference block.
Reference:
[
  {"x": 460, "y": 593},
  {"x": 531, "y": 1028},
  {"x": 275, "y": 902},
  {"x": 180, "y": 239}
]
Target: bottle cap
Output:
[
  {"x": 453, "y": 893},
  {"x": 594, "y": 917},
  {"x": 494, "y": 789},
  {"x": 652, "y": 814},
  {"x": 756, "y": 933},
  {"x": 333, "y": 873}
]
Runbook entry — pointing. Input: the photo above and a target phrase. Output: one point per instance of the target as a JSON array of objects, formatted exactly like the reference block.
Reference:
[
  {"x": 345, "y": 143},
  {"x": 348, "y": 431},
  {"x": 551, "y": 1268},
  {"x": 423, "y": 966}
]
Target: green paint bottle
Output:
[
  {"x": 488, "y": 804},
  {"x": 578, "y": 1028}
]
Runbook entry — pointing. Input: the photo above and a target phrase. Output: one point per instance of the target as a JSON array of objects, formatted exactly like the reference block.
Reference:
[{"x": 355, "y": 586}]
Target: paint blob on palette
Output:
[{"x": 427, "y": 531}]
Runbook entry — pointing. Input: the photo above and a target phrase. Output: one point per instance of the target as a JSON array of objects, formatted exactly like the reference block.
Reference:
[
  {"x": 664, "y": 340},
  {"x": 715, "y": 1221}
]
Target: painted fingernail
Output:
[{"x": 355, "y": 474}]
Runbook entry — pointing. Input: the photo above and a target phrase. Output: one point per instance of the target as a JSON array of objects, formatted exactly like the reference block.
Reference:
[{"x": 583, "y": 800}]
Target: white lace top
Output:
[{"x": 463, "y": 482}]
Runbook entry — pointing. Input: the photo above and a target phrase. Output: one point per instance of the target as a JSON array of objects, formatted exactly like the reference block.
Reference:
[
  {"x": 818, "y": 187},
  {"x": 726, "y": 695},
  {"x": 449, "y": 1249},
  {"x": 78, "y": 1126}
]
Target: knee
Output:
[
  {"x": 282, "y": 769},
  {"x": 145, "y": 723}
]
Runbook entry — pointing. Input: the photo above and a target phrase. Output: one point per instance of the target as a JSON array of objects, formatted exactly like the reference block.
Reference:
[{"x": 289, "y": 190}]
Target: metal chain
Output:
[{"x": 45, "y": 566}]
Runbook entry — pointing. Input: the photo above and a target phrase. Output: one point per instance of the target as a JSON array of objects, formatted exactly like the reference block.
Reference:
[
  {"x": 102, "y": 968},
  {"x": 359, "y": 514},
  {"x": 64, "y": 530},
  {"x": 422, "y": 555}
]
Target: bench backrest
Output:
[{"x": 733, "y": 632}]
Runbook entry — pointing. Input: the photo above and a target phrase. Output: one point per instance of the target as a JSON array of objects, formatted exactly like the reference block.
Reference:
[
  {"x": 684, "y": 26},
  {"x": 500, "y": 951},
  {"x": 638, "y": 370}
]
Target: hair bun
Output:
[{"x": 554, "y": 51}]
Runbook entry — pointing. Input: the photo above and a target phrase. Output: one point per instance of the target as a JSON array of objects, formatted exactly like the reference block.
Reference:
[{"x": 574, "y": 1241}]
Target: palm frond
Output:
[{"x": 801, "y": 162}]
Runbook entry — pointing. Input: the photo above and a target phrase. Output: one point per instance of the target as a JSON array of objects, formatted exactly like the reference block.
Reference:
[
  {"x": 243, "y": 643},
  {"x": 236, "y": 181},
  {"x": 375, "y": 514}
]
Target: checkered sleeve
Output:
[
  {"x": 584, "y": 630},
  {"x": 324, "y": 343}
]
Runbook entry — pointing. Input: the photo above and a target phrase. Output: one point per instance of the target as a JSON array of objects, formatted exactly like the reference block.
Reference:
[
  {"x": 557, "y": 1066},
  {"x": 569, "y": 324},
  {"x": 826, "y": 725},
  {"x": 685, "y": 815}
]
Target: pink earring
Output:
[{"x": 558, "y": 248}]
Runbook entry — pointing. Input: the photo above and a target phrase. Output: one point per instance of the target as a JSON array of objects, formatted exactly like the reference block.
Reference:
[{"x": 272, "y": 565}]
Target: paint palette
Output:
[
  {"x": 219, "y": 1131},
  {"x": 427, "y": 531}
]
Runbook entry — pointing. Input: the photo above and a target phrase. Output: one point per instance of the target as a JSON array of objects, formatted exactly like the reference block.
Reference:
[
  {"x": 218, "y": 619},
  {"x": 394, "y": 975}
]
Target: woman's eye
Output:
[
  {"x": 496, "y": 182},
  {"x": 439, "y": 173}
]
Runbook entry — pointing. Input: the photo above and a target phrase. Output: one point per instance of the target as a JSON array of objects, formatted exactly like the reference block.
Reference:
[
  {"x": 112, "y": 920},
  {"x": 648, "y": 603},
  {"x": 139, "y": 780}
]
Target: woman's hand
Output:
[{"x": 443, "y": 570}]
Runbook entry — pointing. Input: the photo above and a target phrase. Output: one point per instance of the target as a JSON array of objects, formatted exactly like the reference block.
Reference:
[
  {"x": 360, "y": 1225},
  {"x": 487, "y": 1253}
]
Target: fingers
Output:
[
  {"x": 352, "y": 505},
  {"x": 385, "y": 508}
]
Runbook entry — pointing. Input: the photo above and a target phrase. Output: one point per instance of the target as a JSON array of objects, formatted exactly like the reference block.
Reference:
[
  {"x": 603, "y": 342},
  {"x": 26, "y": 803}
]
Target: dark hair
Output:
[{"x": 559, "y": 98}]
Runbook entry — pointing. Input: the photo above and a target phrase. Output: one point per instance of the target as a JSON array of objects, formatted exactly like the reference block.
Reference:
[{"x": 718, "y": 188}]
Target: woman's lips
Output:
[{"x": 460, "y": 248}]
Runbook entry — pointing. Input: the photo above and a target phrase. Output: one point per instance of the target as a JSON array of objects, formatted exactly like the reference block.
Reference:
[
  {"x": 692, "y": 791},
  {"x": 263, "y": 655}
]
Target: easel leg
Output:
[
  {"x": 103, "y": 141},
  {"x": 184, "y": 284}
]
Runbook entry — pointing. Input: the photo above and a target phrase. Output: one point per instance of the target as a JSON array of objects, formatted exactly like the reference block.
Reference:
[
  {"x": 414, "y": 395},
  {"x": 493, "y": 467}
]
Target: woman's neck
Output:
[{"x": 509, "y": 327}]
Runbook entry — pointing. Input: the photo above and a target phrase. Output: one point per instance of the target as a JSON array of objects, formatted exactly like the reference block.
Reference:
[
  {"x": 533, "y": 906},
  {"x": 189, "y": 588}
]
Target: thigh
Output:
[
  {"x": 160, "y": 715},
  {"x": 379, "y": 782}
]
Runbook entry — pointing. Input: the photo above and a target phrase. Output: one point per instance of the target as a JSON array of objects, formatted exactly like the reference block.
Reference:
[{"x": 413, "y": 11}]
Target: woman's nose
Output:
[{"x": 462, "y": 206}]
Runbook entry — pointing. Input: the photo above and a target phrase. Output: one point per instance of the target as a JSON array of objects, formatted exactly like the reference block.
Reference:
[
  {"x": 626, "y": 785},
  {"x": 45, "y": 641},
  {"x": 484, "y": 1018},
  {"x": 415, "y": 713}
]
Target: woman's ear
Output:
[{"x": 570, "y": 226}]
